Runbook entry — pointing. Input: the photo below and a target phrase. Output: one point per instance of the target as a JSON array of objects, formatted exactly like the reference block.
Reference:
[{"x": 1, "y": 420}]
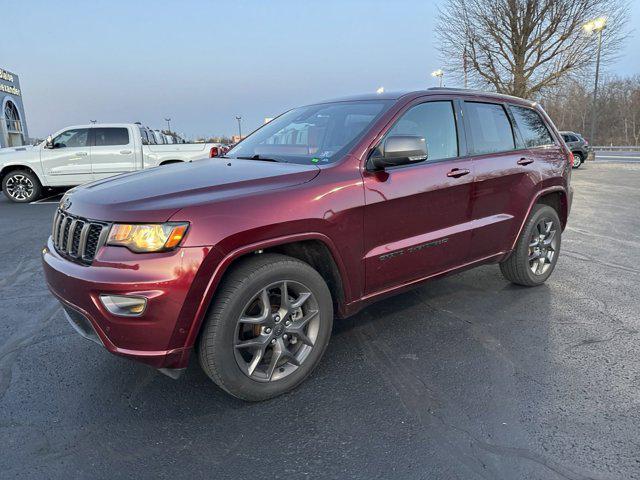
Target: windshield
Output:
[{"x": 316, "y": 134}]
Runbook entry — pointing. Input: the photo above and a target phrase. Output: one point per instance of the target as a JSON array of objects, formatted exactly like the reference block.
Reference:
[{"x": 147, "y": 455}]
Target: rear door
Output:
[
  {"x": 506, "y": 177},
  {"x": 112, "y": 151},
  {"x": 69, "y": 161},
  {"x": 417, "y": 217}
]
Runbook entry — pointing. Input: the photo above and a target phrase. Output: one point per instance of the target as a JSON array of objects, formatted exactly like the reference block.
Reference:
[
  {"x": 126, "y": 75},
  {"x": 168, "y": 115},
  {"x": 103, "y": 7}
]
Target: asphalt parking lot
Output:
[{"x": 466, "y": 377}]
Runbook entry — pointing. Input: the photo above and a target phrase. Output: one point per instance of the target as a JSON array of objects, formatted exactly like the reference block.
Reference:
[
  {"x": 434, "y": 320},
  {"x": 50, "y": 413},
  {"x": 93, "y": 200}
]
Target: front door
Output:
[
  {"x": 112, "y": 152},
  {"x": 68, "y": 162},
  {"x": 417, "y": 217}
]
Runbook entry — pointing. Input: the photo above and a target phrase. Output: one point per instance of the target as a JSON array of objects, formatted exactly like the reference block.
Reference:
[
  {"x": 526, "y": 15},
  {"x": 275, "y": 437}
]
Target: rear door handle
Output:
[
  {"x": 525, "y": 161},
  {"x": 458, "y": 172},
  {"x": 125, "y": 152},
  {"x": 81, "y": 154}
]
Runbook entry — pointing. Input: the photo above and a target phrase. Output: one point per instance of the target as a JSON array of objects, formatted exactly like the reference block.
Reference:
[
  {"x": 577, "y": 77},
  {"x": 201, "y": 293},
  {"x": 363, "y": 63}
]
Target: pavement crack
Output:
[
  {"x": 580, "y": 231},
  {"x": 592, "y": 341},
  {"x": 588, "y": 258}
]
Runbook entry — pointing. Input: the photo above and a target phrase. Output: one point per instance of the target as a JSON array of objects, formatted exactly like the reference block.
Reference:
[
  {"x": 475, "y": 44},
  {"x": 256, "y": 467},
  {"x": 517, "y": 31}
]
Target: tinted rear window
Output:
[
  {"x": 111, "y": 136},
  {"x": 489, "y": 127},
  {"x": 533, "y": 130}
]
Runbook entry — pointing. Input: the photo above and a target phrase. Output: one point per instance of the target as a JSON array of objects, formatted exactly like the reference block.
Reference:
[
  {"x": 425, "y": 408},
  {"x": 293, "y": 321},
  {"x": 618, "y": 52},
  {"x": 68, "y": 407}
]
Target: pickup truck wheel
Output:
[
  {"x": 268, "y": 327},
  {"x": 21, "y": 186},
  {"x": 537, "y": 250},
  {"x": 577, "y": 160}
]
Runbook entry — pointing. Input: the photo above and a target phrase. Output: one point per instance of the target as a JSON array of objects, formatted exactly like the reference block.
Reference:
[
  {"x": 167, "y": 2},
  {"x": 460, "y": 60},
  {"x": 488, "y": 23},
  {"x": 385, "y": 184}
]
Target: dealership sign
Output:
[{"x": 6, "y": 76}]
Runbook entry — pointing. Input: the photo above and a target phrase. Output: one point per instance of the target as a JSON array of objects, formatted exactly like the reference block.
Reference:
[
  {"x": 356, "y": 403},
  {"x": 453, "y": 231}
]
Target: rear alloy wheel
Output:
[
  {"x": 577, "y": 160},
  {"x": 21, "y": 186},
  {"x": 537, "y": 249},
  {"x": 268, "y": 327},
  {"x": 542, "y": 249}
]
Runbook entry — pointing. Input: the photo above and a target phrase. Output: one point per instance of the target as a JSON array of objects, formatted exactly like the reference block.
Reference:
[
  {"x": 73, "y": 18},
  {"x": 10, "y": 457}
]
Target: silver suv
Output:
[{"x": 578, "y": 146}]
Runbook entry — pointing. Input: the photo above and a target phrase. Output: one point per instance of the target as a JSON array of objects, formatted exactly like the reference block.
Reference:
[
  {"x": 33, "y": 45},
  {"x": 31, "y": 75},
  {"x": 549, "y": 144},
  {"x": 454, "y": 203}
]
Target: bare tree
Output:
[{"x": 522, "y": 47}]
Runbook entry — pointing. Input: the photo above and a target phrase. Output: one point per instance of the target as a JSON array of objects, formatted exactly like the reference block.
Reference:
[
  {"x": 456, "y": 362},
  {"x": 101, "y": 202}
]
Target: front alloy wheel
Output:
[
  {"x": 267, "y": 328},
  {"x": 21, "y": 186},
  {"x": 276, "y": 331}
]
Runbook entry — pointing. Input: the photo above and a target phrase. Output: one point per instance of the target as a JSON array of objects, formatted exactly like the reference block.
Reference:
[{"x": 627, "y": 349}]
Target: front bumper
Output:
[{"x": 158, "y": 337}]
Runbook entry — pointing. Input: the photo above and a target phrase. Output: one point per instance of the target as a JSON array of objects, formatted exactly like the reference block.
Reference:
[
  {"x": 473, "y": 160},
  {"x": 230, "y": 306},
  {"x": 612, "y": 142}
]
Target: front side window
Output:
[
  {"x": 435, "y": 122},
  {"x": 111, "y": 136},
  {"x": 489, "y": 127},
  {"x": 312, "y": 134},
  {"x": 72, "y": 138},
  {"x": 533, "y": 130}
]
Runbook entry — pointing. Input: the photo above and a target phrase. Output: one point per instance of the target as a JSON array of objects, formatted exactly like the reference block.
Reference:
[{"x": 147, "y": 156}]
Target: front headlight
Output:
[{"x": 154, "y": 237}]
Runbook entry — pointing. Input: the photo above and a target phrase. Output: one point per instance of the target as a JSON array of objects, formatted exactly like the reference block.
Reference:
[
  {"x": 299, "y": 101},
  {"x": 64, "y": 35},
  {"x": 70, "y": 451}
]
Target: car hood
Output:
[
  {"x": 15, "y": 152},
  {"x": 156, "y": 194}
]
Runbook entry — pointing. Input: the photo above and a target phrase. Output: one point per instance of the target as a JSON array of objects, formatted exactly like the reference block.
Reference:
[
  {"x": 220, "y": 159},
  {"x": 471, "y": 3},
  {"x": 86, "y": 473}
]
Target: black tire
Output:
[
  {"x": 518, "y": 267},
  {"x": 32, "y": 189},
  {"x": 578, "y": 159},
  {"x": 217, "y": 350}
]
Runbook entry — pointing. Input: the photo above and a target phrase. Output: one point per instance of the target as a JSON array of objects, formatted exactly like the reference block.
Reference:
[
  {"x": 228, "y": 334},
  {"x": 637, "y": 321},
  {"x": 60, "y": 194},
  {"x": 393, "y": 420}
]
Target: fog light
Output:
[{"x": 124, "y": 305}]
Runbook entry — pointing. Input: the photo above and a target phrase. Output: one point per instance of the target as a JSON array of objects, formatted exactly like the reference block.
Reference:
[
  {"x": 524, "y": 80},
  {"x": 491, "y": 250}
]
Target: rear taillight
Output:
[
  {"x": 570, "y": 156},
  {"x": 214, "y": 152}
]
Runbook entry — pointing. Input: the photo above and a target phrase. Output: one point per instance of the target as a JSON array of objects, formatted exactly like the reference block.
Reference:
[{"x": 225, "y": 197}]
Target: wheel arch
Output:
[
  {"x": 7, "y": 169},
  {"x": 169, "y": 162},
  {"x": 557, "y": 200},
  {"x": 315, "y": 249},
  {"x": 556, "y": 197}
]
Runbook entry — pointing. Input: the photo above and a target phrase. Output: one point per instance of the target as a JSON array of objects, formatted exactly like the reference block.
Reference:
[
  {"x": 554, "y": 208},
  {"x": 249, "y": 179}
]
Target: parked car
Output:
[
  {"x": 160, "y": 137},
  {"x": 322, "y": 211},
  {"x": 579, "y": 147},
  {"x": 83, "y": 153}
]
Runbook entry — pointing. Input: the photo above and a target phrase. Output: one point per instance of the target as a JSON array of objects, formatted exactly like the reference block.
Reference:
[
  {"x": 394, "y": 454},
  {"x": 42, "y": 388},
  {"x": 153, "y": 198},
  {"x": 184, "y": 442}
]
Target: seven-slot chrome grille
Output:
[{"x": 78, "y": 238}]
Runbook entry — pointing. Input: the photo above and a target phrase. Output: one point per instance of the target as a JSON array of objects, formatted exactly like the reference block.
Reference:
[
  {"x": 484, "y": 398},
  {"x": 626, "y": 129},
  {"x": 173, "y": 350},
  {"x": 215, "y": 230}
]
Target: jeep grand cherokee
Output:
[{"x": 325, "y": 209}]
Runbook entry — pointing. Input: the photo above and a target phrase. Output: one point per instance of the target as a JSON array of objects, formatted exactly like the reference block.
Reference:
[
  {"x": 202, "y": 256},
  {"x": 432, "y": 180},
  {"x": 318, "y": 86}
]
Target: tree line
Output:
[{"x": 617, "y": 109}]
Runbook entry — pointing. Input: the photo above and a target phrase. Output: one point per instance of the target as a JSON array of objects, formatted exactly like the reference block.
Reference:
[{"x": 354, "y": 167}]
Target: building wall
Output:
[{"x": 10, "y": 91}]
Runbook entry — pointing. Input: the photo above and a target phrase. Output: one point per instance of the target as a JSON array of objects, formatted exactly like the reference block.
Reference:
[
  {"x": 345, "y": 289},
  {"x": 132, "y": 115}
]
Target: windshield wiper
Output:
[{"x": 258, "y": 157}]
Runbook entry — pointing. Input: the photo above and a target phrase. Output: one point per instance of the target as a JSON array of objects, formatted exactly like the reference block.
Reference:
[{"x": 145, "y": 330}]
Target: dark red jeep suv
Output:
[{"x": 247, "y": 258}]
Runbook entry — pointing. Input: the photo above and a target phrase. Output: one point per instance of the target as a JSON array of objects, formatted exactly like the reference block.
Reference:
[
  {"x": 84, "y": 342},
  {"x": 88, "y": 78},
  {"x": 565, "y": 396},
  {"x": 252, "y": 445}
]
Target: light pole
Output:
[
  {"x": 439, "y": 74},
  {"x": 239, "y": 119},
  {"x": 168, "y": 120},
  {"x": 597, "y": 25}
]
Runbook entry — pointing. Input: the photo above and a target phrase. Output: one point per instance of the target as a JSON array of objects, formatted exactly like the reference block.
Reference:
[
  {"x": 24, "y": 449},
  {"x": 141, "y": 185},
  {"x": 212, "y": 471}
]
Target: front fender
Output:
[{"x": 212, "y": 270}]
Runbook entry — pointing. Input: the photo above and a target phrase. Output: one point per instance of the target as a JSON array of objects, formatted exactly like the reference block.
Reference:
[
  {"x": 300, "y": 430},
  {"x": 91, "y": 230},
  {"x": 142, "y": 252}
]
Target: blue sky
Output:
[{"x": 202, "y": 63}]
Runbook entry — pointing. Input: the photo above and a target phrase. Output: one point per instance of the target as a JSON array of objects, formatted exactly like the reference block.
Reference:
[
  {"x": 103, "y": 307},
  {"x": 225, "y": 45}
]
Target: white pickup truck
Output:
[{"x": 83, "y": 153}]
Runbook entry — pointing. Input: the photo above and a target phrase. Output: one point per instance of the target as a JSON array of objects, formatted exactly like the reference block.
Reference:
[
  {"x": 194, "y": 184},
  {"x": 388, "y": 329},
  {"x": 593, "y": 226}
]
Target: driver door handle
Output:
[
  {"x": 125, "y": 152},
  {"x": 81, "y": 154},
  {"x": 458, "y": 172},
  {"x": 525, "y": 161}
]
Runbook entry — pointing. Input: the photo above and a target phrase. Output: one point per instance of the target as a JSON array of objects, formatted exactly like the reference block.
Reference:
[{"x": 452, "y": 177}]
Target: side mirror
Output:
[
  {"x": 49, "y": 142},
  {"x": 399, "y": 150}
]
